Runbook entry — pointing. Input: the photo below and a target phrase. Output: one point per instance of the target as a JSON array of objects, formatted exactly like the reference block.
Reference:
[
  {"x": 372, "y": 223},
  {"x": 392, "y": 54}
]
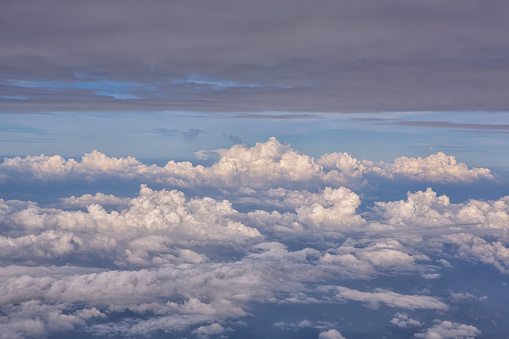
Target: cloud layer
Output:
[
  {"x": 269, "y": 164},
  {"x": 339, "y": 56},
  {"x": 163, "y": 261}
]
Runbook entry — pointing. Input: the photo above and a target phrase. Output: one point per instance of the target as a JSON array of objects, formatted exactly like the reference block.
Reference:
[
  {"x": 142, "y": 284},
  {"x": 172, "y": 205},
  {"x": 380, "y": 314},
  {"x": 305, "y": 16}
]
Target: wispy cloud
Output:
[{"x": 442, "y": 124}]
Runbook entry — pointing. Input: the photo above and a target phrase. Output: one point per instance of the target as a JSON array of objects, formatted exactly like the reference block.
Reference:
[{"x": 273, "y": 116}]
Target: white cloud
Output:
[
  {"x": 98, "y": 198},
  {"x": 420, "y": 209},
  {"x": 263, "y": 165},
  {"x": 152, "y": 230},
  {"x": 449, "y": 330},
  {"x": 428, "y": 209},
  {"x": 205, "y": 331},
  {"x": 330, "y": 334},
  {"x": 403, "y": 320},
  {"x": 391, "y": 299},
  {"x": 473, "y": 247},
  {"x": 338, "y": 212},
  {"x": 169, "y": 261},
  {"x": 434, "y": 168}
]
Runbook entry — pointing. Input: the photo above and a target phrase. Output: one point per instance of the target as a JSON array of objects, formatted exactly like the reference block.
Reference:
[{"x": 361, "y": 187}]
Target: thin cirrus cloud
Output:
[{"x": 459, "y": 127}]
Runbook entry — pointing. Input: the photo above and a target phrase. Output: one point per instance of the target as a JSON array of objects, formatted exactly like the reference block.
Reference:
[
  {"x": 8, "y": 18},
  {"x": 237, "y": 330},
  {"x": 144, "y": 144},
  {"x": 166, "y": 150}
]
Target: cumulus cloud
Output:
[
  {"x": 98, "y": 198},
  {"x": 169, "y": 261},
  {"x": 175, "y": 296},
  {"x": 438, "y": 167},
  {"x": 382, "y": 254},
  {"x": 425, "y": 208},
  {"x": 263, "y": 165},
  {"x": 330, "y": 334},
  {"x": 475, "y": 248},
  {"x": 449, "y": 330},
  {"x": 403, "y": 320},
  {"x": 434, "y": 168},
  {"x": 205, "y": 331},
  {"x": 152, "y": 230}
]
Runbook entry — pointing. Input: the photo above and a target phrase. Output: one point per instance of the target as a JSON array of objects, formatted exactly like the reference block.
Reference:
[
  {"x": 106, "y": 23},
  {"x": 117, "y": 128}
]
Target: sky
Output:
[{"x": 269, "y": 169}]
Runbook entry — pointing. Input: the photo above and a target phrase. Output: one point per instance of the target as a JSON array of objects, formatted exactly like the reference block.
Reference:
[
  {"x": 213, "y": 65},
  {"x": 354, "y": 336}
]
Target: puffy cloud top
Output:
[
  {"x": 434, "y": 168},
  {"x": 263, "y": 165}
]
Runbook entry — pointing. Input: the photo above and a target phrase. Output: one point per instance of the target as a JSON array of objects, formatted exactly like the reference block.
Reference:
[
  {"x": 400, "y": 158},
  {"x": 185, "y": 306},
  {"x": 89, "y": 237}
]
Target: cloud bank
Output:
[
  {"x": 266, "y": 164},
  {"x": 163, "y": 261},
  {"x": 262, "y": 228}
]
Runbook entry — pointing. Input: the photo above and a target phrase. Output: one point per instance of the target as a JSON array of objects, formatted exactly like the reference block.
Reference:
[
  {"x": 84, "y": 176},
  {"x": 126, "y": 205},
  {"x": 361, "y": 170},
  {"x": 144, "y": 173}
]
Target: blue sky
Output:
[{"x": 477, "y": 138}]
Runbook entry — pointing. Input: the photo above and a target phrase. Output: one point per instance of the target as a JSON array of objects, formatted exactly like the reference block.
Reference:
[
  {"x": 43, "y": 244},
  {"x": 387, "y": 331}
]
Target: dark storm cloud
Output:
[{"x": 252, "y": 56}]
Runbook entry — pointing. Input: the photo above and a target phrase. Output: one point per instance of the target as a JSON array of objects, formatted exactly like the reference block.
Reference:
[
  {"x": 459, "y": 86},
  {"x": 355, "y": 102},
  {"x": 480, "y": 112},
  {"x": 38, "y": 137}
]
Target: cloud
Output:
[
  {"x": 443, "y": 124},
  {"x": 330, "y": 334},
  {"x": 278, "y": 116},
  {"x": 205, "y": 331},
  {"x": 263, "y": 165},
  {"x": 391, "y": 299},
  {"x": 475, "y": 248},
  {"x": 434, "y": 168},
  {"x": 165, "y": 261},
  {"x": 98, "y": 198},
  {"x": 177, "y": 58},
  {"x": 151, "y": 231},
  {"x": 193, "y": 132},
  {"x": 425, "y": 208},
  {"x": 235, "y": 139},
  {"x": 402, "y": 320},
  {"x": 449, "y": 330},
  {"x": 165, "y": 130},
  {"x": 438, "y": 168}
]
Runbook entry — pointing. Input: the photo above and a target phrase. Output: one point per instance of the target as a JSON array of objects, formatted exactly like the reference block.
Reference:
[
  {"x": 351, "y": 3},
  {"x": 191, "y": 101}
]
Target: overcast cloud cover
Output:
[
  {"x": 387, "y": 55},
  {"x": 267, "y": 169}
]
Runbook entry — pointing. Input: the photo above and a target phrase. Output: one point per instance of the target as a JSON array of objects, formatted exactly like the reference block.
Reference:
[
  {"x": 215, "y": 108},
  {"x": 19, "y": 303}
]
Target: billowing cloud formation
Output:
[
  {"x": 435, "y": 168},
  {"x": 427, "y": 209},
  {"x": 449, "y": 330},
  {"x": 150, "y": 231},
  {"x": 330, "y": 334},
  {"x": 89, "y": 199},
  {"x": 171, "y": 262},
  {"x": 402, "y": 320},
  {"x": 266, "y": 164}
]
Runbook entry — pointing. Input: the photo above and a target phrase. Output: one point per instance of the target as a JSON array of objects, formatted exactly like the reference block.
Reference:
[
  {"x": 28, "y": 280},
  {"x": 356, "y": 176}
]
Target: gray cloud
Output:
[
  {"x": 165, "y": 130},
  {"x": 266, "y": 55},
  {"x": 443, "y": 124},
  {"x": 278, "y": 116},
  {"x": 192, "y": 132}
]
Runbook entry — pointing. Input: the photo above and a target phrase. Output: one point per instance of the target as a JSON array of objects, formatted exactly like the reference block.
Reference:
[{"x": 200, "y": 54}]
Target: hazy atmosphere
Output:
[{"x": 269, "y": 169}]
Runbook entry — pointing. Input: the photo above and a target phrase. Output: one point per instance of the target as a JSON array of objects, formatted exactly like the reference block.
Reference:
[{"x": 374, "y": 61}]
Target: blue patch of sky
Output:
[
  {"x": 117, "y": 89},
  {"x": 13, "y": 97},
  {"x": 139, "y": 134},
  {"x": 223, "y": 84},
  {"x": 213, "y": 83},
  {"x": 131, "y": 90}
]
